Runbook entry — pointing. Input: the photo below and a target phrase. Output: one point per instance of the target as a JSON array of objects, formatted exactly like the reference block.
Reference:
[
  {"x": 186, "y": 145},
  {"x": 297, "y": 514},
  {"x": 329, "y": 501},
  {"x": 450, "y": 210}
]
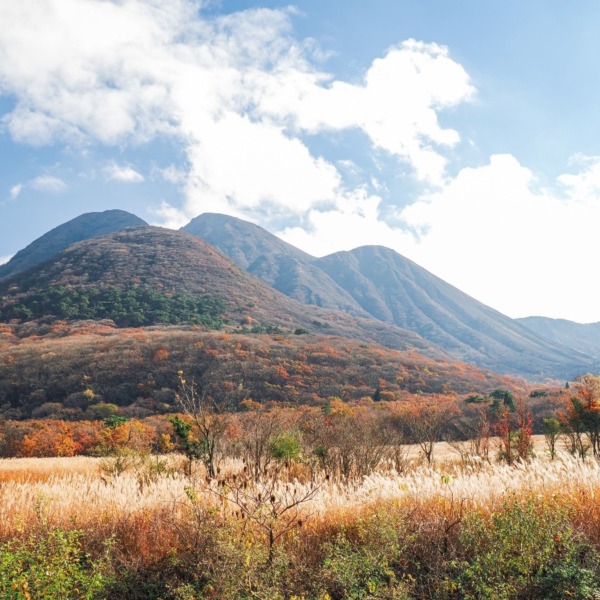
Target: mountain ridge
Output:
[
  {"x": 370, "y": 293},
  {"x": 392, "y": 289},
  {"x": 175, "y": 261},
  {"x": 581, "y": 337},
  {"x": 279, "y": 264}
]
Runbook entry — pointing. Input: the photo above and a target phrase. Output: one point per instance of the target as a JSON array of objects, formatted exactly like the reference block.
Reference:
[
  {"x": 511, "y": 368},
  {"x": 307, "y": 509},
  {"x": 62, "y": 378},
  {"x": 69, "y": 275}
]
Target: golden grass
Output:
[
  {"x": 77, "y": 492},
  {"x": 159, "y": 518},
  {"x": 29, "y": 470}
]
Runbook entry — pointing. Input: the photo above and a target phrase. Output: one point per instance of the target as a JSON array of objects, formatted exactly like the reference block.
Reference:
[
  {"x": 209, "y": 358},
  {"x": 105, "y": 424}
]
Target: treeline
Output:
[
  {"x": 135, "y": 306},
  {"x": 343, "y": 440}
]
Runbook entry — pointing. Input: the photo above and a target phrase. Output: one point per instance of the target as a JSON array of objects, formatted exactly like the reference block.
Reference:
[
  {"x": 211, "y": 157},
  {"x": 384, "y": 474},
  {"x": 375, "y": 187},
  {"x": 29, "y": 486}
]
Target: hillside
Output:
[
  {"x": 73, "y": 369},
  {"x": 396, "y": 290},
  {"x": 580, "y": 337},
  {"x": 281, "y": 265},
  {"x": 84, "y": 227},
  {"x": 392, "y": 289},
  {"x": 170, "y": 262}
]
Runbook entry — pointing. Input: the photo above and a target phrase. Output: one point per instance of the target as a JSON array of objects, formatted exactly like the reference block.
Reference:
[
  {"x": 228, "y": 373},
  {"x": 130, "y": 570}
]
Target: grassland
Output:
[{"x": 139, "y": 527}]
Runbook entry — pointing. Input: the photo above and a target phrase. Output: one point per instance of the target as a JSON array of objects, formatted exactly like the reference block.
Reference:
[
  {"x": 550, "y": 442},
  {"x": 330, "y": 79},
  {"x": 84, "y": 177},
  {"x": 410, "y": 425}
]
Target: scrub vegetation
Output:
[{"x": 345, "y": 500}]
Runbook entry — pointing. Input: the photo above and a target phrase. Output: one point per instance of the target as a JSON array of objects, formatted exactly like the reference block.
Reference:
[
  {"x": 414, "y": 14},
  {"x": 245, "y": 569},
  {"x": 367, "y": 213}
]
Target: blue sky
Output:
[{"x": 462, "y": 134}]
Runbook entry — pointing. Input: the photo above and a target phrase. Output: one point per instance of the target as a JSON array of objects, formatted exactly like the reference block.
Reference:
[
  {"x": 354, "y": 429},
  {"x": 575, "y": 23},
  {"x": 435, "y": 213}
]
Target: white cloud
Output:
[
  {"x": 123, "y": 173},
  {"x": 238, "y": 90},
  {"x": 495, "y": 234},
  {"x": 169, "y": 216},
  {"x": 5, "y": 259},
  {"x": 586, "y": 183},
  {"x": 396, "y": 106},
  {"x": 354, "y": 222},
  {"x": 251, "y": 164},
  {"x": 42, "y": 183},
  {"x": 15, "y": 191},
  {"x": 48, "y": 183},
  {"x": 172, "y": 174},
  {"x": 491, "y": 232}
]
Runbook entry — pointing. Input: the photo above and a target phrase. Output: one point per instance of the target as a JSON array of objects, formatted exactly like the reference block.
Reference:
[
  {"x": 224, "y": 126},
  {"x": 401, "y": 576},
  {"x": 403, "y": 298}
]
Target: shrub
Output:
[
  {"x": 359, "y": 572},
  {"x": 524, "y": 551},
  {"x": 286, "y": 446},
  {"x": 51, "y": 565}
]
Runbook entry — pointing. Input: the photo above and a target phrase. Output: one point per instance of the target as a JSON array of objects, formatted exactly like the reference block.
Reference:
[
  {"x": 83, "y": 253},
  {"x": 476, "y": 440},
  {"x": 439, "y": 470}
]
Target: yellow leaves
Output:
[
  {"x": 164, "y": 443},
  {"x": 249, "y": 404},
  {"x": 89, "y": 394},
  {"x": 338, "y": 407}
]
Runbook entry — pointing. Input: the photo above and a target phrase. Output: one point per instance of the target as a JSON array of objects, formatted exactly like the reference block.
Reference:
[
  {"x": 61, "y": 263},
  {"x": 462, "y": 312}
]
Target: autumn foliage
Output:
[{"x": 77, "y": 372}]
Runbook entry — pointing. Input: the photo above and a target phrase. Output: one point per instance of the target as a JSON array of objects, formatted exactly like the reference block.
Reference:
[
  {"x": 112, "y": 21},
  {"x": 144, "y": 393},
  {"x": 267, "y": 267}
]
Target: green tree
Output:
[{"x": 552, "y": 431}]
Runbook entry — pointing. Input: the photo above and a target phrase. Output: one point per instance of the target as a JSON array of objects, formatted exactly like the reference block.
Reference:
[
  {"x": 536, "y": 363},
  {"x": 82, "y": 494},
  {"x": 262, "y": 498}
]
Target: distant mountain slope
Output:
[
  {"x": 276, "y": 262},
  {"x": 381, "y": 283},
  {"x": 84, "y": 227},
  {"x": 396, "y": 290},
  {"x": 580, "y": 337},
  {"x": 172, "y": 261}
]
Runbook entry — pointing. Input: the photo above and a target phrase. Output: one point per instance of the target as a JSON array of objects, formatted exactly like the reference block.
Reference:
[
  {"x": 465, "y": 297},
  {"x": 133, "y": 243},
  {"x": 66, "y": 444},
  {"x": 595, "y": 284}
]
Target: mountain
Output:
[
  {"x": 394, "y": 290},
  {"x": 84, "y": 227},
  {"x": 372, "y": 293},
  {"x": 281, "y": 265},
  {"x": 577, "y": 336},
  {"x": 171, "y": 262}
]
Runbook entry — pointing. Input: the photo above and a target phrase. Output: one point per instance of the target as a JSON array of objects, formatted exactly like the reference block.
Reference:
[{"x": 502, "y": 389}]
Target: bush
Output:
[
  {"x": 525, "y": 551},
  {"x": 286, "y": 446},
  {"x": 358, "y": 573},
  {"x": 51, "y": 565}
]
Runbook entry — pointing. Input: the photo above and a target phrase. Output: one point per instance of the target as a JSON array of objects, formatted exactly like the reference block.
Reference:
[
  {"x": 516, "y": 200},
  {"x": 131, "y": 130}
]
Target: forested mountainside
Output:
[{"x": 148, "y": 267}]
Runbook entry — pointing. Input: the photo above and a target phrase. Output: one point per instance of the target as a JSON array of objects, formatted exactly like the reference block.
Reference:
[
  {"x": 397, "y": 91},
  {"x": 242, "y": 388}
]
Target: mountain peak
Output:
[
  {"x": 281, "y": 265},
  {"x": 84, "y": 227},
  {"x": 242, "y": 241}
]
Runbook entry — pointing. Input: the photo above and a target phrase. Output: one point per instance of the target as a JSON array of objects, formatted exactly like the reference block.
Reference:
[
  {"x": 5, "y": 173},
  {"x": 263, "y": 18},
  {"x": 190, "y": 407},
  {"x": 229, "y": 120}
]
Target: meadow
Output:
[{"x": 148, "y": 526}]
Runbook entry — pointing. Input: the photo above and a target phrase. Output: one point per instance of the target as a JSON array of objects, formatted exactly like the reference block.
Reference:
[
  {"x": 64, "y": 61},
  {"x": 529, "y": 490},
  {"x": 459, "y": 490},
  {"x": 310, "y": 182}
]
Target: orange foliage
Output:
[{"x": 160, "y": 355}]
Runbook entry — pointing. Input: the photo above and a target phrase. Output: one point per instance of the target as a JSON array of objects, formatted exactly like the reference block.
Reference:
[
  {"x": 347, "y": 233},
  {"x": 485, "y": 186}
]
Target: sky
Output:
[{"x": 463, "y": 134}]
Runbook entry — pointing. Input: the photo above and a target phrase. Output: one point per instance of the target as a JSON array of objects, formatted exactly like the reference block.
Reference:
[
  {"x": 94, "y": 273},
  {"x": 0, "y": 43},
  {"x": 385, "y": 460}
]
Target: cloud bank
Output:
[
  {"x": 246, "y": 100},
  {"x": 238, "y": 90}
]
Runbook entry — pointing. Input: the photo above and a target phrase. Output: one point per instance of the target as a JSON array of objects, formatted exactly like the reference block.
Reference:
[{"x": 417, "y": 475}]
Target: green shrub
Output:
[
  {"x": 359, "y": 572},
  {"x": 286, "y": 446},
  {"x": 525, "y": 551},
  {"x": 51, "y": 565}
]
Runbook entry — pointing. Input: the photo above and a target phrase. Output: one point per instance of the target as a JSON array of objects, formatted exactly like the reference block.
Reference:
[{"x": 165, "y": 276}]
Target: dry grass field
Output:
[{"x": 438, "y": 531}]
